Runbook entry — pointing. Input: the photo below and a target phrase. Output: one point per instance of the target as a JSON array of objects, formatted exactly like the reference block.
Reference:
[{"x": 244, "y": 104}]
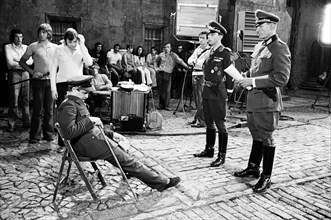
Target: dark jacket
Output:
[
  {"x": 271, "y": 66},
  {"x": 213, "y": 70},
  {"x": 76, "y": 126}
]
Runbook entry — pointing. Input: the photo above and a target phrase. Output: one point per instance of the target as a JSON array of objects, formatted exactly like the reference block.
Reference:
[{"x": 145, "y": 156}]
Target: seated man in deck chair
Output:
[{"x": 87, "y": 140}]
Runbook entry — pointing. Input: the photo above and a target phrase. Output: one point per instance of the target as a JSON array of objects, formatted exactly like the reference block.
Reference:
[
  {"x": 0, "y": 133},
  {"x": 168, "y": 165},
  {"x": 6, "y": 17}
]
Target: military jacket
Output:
[
  {"x": 76, "y": 126},
  {"x": 213, "y": 70},
  {"x": 74, "y": 118},
  {"x": 271, "y": 65}
]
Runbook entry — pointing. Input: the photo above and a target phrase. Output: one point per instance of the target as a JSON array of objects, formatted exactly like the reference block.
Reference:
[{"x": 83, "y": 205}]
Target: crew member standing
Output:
[
  {"x": 166, "y": 63},
  {"x": 18, "y": 91},
  {"x": 270, "y": 69},
  {"x": 42, "y": 53},
  {"x": 217, "y": 67},
  {"x": 196, "y": 60}
]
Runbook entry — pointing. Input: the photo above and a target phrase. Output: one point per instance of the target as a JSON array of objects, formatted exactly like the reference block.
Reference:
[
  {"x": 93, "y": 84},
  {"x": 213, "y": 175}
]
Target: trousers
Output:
[
  {"x": 15, "y": 91},
  {"x": 42, "y": 113},
  {"x": 96, "y": 148}
]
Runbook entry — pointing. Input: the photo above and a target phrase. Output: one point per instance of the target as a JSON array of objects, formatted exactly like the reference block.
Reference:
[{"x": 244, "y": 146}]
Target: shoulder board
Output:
[
  {"x": 228, "y": 49},
  {"x": 281, "y": 42}
]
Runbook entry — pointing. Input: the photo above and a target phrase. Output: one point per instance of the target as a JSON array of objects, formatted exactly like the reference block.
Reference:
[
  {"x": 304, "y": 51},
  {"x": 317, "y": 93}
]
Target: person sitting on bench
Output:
[
  {"x": 100, "y": 82},
  {"x": 87, "y": 140}
]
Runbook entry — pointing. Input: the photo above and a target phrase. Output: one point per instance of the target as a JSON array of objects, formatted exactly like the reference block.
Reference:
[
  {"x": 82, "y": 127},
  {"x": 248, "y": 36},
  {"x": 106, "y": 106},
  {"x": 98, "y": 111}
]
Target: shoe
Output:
[
  {"x": 192, "y": 122},
  {"x": 33, "y": 141},
  {"x": 249, "y": 171},
  {"x": 167, "y": 109},
  {"x": 199, "y": 125},
  {"x": 263, "y": 184},
  {"x": 219, "y": 161},
  {"x": 206, "y": 153},
  {"x": 173, "y": 182},
  {"x": 159, "y": 108},
  {"x": 61, "y": 149}
]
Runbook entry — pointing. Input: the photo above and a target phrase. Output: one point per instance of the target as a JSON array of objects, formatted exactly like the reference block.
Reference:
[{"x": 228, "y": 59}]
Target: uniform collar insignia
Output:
[
  {"x": 270, "y": 40},
  {"x": 75, "y": 98}
]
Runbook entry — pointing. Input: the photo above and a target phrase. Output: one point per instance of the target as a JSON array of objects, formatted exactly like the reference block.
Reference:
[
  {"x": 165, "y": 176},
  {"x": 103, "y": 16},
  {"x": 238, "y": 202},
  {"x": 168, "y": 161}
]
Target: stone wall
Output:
[
  {"x": 110, "y": 22},
  {"x": 123, "y": 22}
]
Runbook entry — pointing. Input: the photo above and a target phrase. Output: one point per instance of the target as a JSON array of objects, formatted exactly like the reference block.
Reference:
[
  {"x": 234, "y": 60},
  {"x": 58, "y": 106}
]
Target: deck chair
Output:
[{"x": 70, "y": 156}]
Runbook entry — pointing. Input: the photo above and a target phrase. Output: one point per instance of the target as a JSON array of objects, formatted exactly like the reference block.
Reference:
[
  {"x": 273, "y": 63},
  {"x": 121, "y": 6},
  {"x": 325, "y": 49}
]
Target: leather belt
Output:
[
  {"x": 164, "y": 71},
  {"x": 210, "y": 83},
  {"x": 197, "y": 70}
]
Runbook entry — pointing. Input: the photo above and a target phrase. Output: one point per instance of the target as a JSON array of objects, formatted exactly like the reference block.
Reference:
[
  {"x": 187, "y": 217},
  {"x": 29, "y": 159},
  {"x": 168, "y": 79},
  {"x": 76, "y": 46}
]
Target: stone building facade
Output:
[{"x": 149, "y": 22}]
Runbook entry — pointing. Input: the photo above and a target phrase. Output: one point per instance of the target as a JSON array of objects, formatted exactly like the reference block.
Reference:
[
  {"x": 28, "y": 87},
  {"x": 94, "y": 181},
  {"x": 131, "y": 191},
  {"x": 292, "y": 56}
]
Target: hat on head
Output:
[
  {"x": 82, "y": 81},
  {"x": 215, "y": 27},
  {"x": 263, "y": 17}
]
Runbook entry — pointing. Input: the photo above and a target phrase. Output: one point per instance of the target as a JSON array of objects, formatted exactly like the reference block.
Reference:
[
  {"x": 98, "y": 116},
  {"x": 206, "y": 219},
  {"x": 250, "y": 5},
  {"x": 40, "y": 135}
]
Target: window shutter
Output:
[{"x": 246, "y": 24}]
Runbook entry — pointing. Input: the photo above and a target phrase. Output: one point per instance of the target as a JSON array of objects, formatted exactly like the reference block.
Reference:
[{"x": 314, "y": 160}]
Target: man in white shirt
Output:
[
  {"x": 114, "y": 59},
  {"x": 14, "y": 51},
  {"x": 69, "y": 60},
  {"x": 196, "y": 60}
]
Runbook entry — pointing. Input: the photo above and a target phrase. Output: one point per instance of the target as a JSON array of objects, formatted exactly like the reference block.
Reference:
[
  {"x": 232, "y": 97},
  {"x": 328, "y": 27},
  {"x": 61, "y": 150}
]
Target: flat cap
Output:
[
  {"x": 263, "y": 17},
  {"x": 215, "y": 27},
  {"x": 82, "y": 81}
]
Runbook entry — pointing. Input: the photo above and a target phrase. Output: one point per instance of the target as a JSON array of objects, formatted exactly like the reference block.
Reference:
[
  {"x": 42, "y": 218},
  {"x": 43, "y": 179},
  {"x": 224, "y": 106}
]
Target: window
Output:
[
  {"x": 153, "y": 38},
  {"x": 187, "y": 21},
  {"x": 60, "y": 25}
]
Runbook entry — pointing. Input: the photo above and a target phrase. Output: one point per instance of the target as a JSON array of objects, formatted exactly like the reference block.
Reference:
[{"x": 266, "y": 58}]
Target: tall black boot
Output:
[
  {"x": 253, "y": 168},
  {"x": 209, "y": 148},
  {"x": 265, "y": 180},
  {"x": 222, "y": 146}
]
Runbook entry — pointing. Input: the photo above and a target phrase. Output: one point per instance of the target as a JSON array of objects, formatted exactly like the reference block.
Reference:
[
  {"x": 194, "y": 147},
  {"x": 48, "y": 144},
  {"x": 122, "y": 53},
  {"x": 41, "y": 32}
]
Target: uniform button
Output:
[{"x": 212, "y": 71}]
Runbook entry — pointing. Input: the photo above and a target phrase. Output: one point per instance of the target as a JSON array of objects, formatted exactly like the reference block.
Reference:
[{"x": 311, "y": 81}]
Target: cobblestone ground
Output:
[{"x": 300, "y": 182}]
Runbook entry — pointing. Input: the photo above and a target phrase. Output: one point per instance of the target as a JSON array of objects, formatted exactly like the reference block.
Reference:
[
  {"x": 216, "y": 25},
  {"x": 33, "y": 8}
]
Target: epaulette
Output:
[
  {"x": 228, "y": 49},
  {"x": 281, "y": 42}
]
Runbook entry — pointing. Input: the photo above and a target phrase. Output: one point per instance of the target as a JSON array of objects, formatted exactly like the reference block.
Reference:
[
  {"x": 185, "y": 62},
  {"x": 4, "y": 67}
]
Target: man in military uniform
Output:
[
  {"x": 217, "y": 66},
  {"x": 84, "y": 133},
  {"x": 270, "y": 69}
]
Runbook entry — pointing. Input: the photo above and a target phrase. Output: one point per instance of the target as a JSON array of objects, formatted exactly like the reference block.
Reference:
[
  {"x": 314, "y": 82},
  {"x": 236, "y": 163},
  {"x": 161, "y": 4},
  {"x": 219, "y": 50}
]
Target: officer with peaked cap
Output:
[
  {"x": 218, "y": 66},
  {"x": 270, "y": 69},
  {"x": 83, "y": 82},
  {"x": 84, "y": 133},
  {"x": 265, "y": 17}
]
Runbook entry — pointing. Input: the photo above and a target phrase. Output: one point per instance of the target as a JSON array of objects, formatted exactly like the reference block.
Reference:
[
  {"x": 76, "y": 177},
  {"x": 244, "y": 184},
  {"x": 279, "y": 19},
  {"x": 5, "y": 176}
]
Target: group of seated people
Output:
[{"x": 134, "y": 65}]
